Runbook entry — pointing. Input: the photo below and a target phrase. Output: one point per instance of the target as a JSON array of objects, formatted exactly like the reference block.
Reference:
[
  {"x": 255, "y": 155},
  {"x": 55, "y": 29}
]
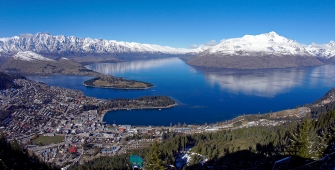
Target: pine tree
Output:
[
  {"x": 305, "y": 142},
  {"x": 195, "y": 159},
  {"x": 154, "y": 158}
]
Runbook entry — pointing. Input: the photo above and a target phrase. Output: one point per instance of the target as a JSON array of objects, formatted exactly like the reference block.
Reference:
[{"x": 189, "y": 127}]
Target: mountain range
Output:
[
  {"x": 268, "y": 50},
  {"x": 83, "y": 50},
  {"x": 44, "y": 43},
  {"x": 269, "y": 43}
]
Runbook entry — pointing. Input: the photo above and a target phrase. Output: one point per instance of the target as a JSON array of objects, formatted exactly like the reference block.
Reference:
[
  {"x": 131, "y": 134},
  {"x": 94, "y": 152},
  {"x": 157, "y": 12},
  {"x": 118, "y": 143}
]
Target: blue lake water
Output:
[{"x": 204, "y": 95}]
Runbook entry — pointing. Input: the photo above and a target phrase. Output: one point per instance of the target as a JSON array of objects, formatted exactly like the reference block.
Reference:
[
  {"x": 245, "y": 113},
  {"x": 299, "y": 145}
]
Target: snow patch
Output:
[{"x": 30, "y": 56}]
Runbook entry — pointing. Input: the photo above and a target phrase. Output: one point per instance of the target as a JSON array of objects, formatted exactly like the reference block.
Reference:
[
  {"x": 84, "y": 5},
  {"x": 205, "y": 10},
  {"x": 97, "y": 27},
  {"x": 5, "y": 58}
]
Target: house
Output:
[{"x": 73, "y": 149}]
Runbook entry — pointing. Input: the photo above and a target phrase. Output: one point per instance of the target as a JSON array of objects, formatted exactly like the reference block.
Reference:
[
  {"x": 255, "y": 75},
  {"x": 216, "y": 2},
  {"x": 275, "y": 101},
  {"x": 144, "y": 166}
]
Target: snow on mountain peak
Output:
[
  {"x": 266, "y": 44},
  {"x": 30, "y": 56},
  {"x": 271, "y": 34},
  {"x": 45, "y": 43},
  {"x": 325, "y": 51}
]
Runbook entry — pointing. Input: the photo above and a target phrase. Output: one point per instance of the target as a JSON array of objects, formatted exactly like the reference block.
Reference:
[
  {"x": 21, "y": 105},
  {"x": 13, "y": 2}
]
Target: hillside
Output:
[
  {"x": 31, "y": 63},
  {"x": 6, "y": 80},
  {"x": 13, "y": 156},
  {"x": 253, "y": 62}
]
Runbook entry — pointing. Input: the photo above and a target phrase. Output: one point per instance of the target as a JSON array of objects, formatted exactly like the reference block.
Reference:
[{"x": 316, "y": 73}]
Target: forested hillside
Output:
[
  {"x": 6, "y": 80},
  {"x": 13, "y": 156}
]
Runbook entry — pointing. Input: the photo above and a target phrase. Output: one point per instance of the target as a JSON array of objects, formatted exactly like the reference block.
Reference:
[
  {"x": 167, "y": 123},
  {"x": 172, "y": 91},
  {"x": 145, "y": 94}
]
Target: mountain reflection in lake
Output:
[
  {"x": 205, "y": 95},
  {"x": 132, "y": 66},
  {"x": 266, "y": 82}
]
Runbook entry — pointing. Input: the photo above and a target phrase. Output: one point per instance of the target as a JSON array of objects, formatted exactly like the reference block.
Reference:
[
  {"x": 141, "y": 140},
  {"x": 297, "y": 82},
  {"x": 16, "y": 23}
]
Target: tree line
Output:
[
  {"x": 13, "y": 156},
  {"x": 6, "y": 80},
  {"x": 141, "y": 102}
]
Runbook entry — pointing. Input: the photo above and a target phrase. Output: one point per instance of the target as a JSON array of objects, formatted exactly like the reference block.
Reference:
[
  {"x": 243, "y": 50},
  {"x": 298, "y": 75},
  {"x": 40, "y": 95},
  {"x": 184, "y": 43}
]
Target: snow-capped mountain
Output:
[
  {"x": 325, "y": 51},
  {"x": 268, "y": 44},
  {"x": 268, "y": 50},
  {"x": 30, "y": 56},
  {"x": 43, "y": 43},
  {"x": 264, "y": 44}
]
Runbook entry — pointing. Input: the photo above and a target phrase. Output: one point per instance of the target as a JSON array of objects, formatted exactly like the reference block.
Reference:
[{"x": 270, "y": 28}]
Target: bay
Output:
[{"x": 204, "y": 95}]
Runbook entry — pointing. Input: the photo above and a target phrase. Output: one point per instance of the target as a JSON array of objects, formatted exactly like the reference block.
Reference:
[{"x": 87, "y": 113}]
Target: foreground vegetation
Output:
[
  {"x": 6, "y": 80},
  {"x": 13, "y": 156}
]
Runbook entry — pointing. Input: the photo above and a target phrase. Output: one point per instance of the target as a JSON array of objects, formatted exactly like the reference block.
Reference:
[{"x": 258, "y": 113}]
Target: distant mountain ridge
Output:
[
  {"x": 46, "y": 44},
  {"x": 268, "y": 50},
  {"x": 268, "y": 43}
]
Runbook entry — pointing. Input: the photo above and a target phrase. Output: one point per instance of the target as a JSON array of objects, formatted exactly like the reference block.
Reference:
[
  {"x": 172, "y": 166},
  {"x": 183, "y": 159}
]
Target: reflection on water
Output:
[
  {"x": 325, "y": 74},
  {"x": 267, "y": 82},
  {"x": 131, "y": 66}
]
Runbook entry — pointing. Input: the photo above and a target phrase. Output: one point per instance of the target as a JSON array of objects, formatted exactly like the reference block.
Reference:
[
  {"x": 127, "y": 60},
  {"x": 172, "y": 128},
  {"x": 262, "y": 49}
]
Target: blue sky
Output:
[{"x": 176, "y": 23}]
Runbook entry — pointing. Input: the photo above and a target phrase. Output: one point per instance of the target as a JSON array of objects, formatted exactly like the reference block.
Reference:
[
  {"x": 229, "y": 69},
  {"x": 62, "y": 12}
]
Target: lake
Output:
[{"x": 204, "y": 95}]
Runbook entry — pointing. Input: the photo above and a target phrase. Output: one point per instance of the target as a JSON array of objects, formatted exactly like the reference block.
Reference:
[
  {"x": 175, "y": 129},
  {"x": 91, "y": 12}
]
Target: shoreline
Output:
[
  {"x": 108, "y": 110},
  {"x": 118, "y": 87}
]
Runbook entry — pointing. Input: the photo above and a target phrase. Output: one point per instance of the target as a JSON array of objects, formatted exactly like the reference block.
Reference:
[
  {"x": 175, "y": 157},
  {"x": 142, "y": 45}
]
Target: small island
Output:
[{"x": 117, "y": 83}]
